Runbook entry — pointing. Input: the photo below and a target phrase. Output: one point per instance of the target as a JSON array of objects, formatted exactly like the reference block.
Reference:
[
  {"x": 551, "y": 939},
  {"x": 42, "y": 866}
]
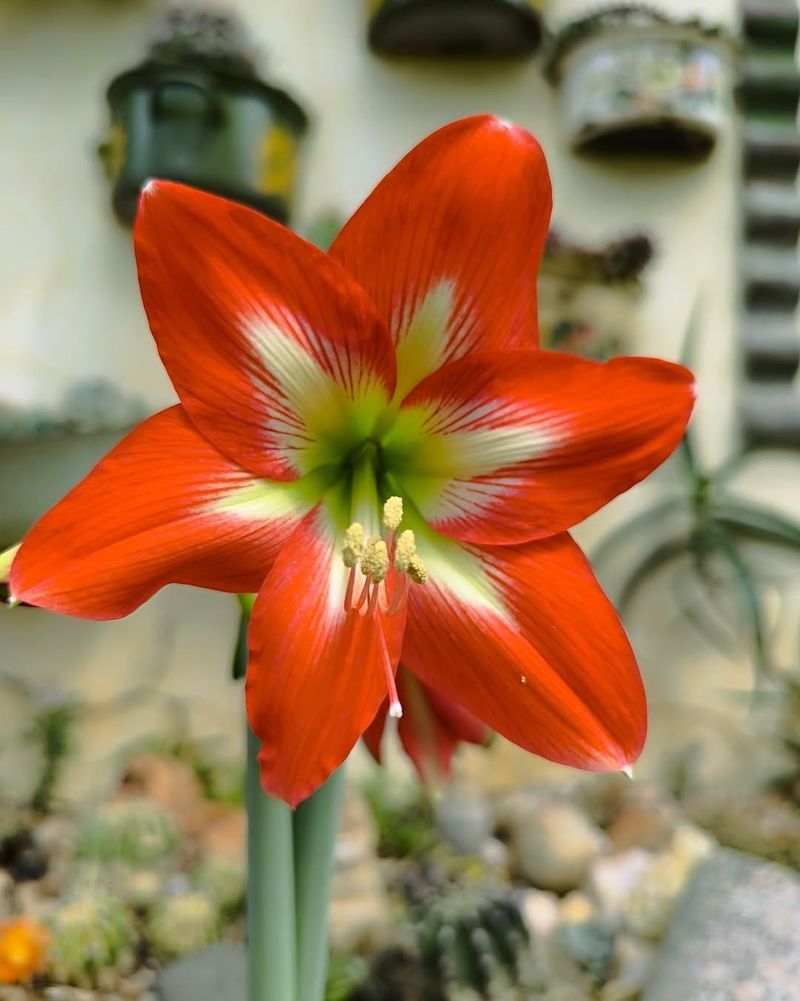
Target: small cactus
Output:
[
  {"x": 472, "y": 939},
  {"x": 90, "y": 937},
  {"x": 221, "y": 877},
  {"x": 183, "y": 924},
  {"x": 134, "y": 831}
]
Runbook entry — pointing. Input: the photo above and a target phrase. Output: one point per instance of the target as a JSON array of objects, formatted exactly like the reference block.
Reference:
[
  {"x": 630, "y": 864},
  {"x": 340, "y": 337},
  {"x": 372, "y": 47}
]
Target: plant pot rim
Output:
[
  {"x": 643, "y": 20},
  {"x": 151, "y": 69},
  {"x": 527, "y": 20}
]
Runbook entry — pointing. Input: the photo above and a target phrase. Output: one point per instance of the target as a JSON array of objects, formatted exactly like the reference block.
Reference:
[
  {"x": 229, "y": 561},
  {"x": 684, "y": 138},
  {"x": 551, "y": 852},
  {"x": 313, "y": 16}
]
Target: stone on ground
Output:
[{"x": 734, "y": 935}]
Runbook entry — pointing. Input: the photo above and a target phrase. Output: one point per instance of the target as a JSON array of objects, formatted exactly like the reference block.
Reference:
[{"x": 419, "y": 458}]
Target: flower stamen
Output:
[
  {"x": 375, "y": 561},
  {"x": 393, "y": 513}
]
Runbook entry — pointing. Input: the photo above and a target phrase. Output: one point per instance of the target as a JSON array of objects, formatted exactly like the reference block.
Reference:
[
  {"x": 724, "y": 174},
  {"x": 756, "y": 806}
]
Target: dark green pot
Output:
[
  {"x": 455, "y": 27},
  {"x": 231, "y": 135}
]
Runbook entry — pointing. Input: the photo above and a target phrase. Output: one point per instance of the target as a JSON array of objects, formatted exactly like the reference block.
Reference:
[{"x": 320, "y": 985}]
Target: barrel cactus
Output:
[
  {"x": 91, "y": 936},
  {"x": 222, "y": 878},
  {"x": 183, "y": 924},
  {"x": 133, "y": 831},
  {"x": 473, "y": 940}
]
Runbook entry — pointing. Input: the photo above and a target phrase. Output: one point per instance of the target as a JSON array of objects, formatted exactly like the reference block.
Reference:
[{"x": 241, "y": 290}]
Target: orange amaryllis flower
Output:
[
  {"x": 430, "y": 729},
  {"x": 314, "y": 387},
  {"x": 23, "y": 944}
]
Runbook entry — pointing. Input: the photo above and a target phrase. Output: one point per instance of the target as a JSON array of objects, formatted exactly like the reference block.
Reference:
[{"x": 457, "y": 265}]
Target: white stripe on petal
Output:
[
  {"x": 422, "y": 338},
  {"x": 260, "y": 500},
  {"x": 475, "y": 453},
  {"x": 456, "y": 570}
]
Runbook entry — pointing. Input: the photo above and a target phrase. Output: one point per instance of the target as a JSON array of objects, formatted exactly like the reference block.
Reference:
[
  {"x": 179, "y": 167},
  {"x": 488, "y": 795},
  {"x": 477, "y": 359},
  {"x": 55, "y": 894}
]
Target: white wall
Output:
[{"x": 67, "y": 284}]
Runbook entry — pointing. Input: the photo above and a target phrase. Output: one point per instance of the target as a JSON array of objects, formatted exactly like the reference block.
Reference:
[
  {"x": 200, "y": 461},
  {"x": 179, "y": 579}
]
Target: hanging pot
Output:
[
  {"x": 455, "y": 27},
  {"x": 229, "y": 134},
  {"x": 633, "y": 82}
]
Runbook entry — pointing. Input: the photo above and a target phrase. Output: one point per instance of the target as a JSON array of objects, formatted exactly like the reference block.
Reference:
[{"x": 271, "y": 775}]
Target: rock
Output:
[
  {"x": 464, "y": 818},
  {"x": 642, "y": 827},
  {"x": 611, "y": 878},
  {"x": 494, "y": 855},
  {"x": 632, "y": 962},
  {"x": 360, "y": 914},
  {"x": 733, "y": 936},
  {"x": 575, "y": 908},
  {"x": 171, "y": 784},
  {"x": 224, "y": 831},
  {"x": 13, "y": 994},
  {"x": 764, "y": 825},
  {"x": 540, "y": 911},
  {"x": 6, "y": 895},
  {"x": 589, "y": 944},
  {"x": 551, "y": 841},
  {"x": 209, "y": 975},
  {"x": 648, "y": 907}
]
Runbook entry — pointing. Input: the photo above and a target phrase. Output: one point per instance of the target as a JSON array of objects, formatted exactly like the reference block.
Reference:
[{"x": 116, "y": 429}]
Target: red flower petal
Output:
[
  {"x": 507, "y": 448},
  {"x": 430, "y": 729},
  {"x": 316, "y": 675},
  {"x": 465, "y": 727},
  {"x": 373, "y": 735},
  {"x": 425, "y": 732},
  {"x": 448, "y": 245},
  {"x": 268, "y": 342},
  {"x": 523, "y": 637},
  {"x": 162, "y": 507}
]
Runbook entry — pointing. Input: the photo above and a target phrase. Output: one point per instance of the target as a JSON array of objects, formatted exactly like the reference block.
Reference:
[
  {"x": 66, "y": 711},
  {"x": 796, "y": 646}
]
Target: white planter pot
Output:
[{"x": 646, "y": 89}]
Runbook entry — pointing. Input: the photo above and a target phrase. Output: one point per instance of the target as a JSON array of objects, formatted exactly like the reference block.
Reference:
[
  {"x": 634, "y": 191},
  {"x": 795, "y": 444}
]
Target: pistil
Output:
[{"x": 386, "y": 564}]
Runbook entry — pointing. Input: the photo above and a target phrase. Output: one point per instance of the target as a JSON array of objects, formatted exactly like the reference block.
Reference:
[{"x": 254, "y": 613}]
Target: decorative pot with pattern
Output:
[{"x": 632, "y": 81}]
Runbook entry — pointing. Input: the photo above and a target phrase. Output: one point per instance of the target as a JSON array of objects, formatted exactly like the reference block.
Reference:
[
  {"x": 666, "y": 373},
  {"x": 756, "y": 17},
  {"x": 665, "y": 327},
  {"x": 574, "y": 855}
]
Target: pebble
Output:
[
  {"x": 612, "y": 878},
  {"x": 575, "y": 908},
  {"x": 464, "y": 818},
  {"x": 6, "y": 895},
  {"x": 648, "y": 907},
  {"x": 551, "y": 841},
  {"x": 540, "y": 911}
]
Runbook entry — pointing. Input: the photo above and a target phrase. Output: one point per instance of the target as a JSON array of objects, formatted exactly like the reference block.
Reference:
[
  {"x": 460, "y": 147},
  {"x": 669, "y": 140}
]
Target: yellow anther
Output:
[
  {"x": 375, "y": 561},
  {"x": 416, "y": 570},
  {"x": 353, "y": 548},
  {"x": 405, "y": 550},
  {"x": 393, "y": 513}
]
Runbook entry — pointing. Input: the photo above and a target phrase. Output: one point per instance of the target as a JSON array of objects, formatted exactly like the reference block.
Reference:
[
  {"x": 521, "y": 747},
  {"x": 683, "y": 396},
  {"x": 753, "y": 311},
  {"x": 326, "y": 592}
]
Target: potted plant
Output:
[
  {"x": 633, "y": 80},
  {"x": 196, "y": 111},
  {"x": 455, "y": 27},
  {"x": 587, "y": 295}
]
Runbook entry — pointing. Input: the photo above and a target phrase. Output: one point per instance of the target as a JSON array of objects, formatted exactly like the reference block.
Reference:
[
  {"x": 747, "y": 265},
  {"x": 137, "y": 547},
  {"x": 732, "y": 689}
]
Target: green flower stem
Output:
[
  {"x": 271, "y": 964},
  {"x": 315, "y": 824}
]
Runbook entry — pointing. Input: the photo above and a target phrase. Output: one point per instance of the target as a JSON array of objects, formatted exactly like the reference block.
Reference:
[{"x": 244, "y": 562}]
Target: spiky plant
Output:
[
  {"x": 182, "y": 924},
  {"x": 90, "y": 935},
  {"x": 133, "y": 831},
  {"x": 472, "y": 938},
  {"x": 222, "y": 878}
]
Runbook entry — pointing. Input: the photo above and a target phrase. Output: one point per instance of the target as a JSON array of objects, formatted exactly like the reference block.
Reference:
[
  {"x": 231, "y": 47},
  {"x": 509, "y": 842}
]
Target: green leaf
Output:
[
  {"x": 650, "y": 517},
  {"x": 752, "y": 603},
  {"x": 758, "y": 524},
  {"x": 653, "y": 561}
]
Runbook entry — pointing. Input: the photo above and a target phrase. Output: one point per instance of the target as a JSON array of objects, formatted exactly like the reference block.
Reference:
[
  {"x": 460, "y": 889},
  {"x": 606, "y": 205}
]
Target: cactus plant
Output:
[
  {"x": 222, "y": 878},
  {"x": 90, "y": 936},
  {"x": 133, "y": 831},
  {"x": 472, "y": 939},
  {"x": 183, "y": 924}
]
